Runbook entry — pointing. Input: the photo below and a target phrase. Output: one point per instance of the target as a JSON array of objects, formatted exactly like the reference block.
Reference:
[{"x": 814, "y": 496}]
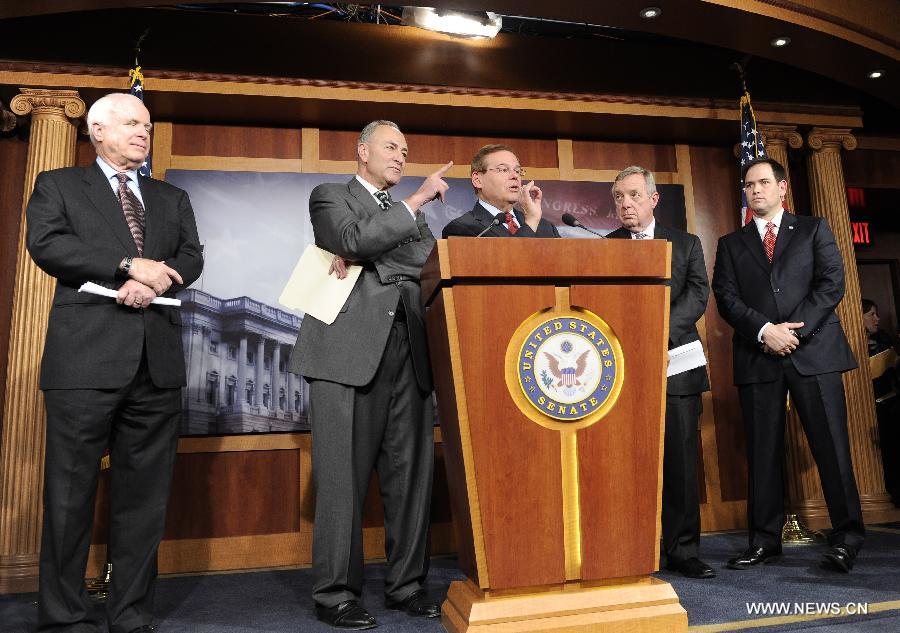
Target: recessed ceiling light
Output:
[
  {"x": 650, "y": 13},
  {"x": 876, "y": 74},
  {"x": 780, "y": 42}
]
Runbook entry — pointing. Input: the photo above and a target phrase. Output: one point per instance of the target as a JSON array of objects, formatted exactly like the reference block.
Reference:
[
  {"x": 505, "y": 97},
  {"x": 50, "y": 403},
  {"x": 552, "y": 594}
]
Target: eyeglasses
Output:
[{"x": 504, "y": 170}]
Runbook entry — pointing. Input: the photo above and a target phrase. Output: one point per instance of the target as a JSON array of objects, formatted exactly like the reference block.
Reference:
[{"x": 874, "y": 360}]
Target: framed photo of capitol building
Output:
[{"x": 254, "y": 225}]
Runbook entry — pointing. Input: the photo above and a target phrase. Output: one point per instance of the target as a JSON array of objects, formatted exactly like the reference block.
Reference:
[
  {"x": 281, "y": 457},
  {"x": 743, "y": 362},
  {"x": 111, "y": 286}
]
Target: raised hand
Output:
[
  {"x": 530, "y": 199},
  {"x": 431, "y": 188}
]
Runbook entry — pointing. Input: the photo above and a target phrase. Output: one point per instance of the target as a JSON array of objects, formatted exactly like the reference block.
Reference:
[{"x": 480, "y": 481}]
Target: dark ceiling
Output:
[{"x": 582, "y": 55}]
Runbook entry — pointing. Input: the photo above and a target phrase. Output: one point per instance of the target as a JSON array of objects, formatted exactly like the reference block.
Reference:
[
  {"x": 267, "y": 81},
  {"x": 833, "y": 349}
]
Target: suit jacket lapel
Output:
[
  {"x": 100, "y": 193},
  {"x": 367, "y": 199},
  {"x": 484, "y": 218},
  {"x": 785, "y": 233},
  {"x": 153, "y": 222},
  {"x": 751, "y": 240}
]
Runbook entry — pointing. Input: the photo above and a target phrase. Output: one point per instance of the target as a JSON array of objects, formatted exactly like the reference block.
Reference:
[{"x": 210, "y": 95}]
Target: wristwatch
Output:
[{"x": 125, "y": 265}]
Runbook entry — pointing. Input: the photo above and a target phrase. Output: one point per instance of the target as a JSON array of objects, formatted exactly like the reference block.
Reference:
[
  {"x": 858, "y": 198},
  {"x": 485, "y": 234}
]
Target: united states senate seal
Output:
[{"x": 570, "y": 367}]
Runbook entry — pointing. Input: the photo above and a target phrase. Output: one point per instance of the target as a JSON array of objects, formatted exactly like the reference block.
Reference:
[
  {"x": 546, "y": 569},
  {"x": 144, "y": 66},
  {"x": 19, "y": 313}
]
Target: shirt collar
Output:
[
  {"x": 368, "y": 185},
  {"x": 109, "y": 172},
  {"x": 648, "y": 231},
  {"x": 761, "y": 224}
]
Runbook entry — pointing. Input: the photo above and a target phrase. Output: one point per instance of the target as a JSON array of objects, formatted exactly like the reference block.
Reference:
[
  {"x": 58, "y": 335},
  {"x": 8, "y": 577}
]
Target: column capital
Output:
[
  {"x": 48, "y": 103},
  {"x": 784, "y": 133},
  {"x": 830, "y": 139}
]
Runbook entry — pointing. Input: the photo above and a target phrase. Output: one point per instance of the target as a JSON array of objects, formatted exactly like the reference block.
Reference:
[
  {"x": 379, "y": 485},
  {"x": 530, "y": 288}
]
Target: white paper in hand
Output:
[
  {"x": 313, "y": 291},
  {"x": 684, "y": 358},
  {"x": 96, "y": 289}
]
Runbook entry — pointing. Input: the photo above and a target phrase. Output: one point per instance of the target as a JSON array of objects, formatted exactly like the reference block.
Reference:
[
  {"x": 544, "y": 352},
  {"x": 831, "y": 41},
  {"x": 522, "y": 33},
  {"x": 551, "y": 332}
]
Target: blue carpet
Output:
[{"x": 279, "y": 602}]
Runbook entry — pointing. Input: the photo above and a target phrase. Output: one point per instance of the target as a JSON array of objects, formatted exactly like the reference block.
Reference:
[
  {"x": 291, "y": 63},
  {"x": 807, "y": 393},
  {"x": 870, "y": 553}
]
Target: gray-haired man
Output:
[
  {"x": 635, "y": 195},
  {"x": 370, "y": 384}
]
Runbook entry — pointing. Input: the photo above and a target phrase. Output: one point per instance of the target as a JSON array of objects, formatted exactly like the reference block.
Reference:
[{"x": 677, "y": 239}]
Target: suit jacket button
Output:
[
  {"x": 777, "y": 290},
  {"x": 390, "y": 313}
]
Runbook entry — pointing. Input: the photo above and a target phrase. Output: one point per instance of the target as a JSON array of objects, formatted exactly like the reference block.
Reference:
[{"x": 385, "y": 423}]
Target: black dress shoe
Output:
[
  {"x": 347, "y": 615},
  {"x": 754, "y": 555},
  {"x": 840, "y": 558},
  {"x": 416, "y": 604},
  {"x": 691, "y": 568}
]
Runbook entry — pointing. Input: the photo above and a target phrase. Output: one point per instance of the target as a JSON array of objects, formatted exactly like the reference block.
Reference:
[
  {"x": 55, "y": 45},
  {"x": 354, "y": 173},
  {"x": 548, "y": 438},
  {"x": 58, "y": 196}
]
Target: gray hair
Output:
[
  {"x": 636, "y": 169},
  {"x": 104, "y": 107},
  {"x": 369, "y": 130}
]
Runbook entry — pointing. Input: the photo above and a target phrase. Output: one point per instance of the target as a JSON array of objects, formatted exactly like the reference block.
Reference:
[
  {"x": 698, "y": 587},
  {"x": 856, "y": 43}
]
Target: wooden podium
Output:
[{"x": 549, "y": 363}]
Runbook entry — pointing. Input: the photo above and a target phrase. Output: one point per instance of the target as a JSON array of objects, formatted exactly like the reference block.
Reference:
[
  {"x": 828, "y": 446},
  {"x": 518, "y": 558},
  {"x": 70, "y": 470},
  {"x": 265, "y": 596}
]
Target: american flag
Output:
[
  {"x": 751, "y": 148},
  {"x": 137, "y": 89}
]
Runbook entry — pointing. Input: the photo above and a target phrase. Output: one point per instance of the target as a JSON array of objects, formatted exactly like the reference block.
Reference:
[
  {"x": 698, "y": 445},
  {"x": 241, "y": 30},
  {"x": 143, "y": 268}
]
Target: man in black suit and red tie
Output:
[
  {"x": 112, "y": 369},
  {"x": 497, "y": 180},
  {"x": 777, "y": 282},
  {"x": 635, "y": 195}
]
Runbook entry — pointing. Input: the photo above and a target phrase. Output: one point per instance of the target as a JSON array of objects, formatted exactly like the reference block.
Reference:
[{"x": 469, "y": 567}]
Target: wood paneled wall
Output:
[{"x": 244, "y": 502}]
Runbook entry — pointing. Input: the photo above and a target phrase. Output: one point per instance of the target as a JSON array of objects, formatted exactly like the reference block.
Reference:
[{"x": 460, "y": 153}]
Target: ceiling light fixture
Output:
[
  {"x": 650, "y": 13},
  {"x": 473, "y": 24},
  {"x": 780, "y": 42},
  {"x": 876, "y": 74}
]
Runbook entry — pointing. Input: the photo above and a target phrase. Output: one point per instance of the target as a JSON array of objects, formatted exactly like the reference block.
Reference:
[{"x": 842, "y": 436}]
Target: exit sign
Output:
[{"x": 861, "y": 233}]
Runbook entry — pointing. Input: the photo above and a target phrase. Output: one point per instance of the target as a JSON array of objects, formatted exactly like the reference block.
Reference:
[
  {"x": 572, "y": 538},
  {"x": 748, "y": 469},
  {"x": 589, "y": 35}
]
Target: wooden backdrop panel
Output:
[
  {"x": 619, "y": 456},
  {"x": 435, "y": 149},
  {"x": 617, "y": 156},
  {"x": 715, "y": 177},
  {"x": 228, "y": 140},
  {"x": 507, "y": 446}
]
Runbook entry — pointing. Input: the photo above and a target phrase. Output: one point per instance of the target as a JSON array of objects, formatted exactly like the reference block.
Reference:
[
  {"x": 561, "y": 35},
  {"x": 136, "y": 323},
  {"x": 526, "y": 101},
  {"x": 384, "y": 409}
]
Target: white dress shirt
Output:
[
  {"x": 494, "y": 211},
  {"x": 648, "y": 231},
  {"x": 113, "y": 181},
  {"x": 372, "y": 189},
  {"x": 761, "y": 229}
]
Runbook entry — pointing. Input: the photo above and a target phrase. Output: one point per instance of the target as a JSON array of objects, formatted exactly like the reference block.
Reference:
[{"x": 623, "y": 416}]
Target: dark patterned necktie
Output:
[
  {"x": 510, "y": 224},
  {"x": 769, "y": 240},
  {"x": 641, "y": 236},
  {"x": 384, "y": 199},
  {"x": 134, "y": 212}
]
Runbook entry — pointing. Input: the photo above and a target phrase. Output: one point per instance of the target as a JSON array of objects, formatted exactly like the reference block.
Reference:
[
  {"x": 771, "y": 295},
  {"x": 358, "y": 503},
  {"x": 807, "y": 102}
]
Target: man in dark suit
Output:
[
  {"x": 112, "y": 370},
  {"x": 777, "y": 282},
  {"x": 370, "y": 384},
  {"x": 635, "y": 195},
  {"x": 497, "y": 179}
]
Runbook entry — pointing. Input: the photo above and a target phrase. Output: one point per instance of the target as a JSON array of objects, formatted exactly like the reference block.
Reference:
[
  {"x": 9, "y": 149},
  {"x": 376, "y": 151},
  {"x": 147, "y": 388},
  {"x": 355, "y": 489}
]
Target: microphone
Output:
[
  {"x": 494, "y": 223},
  {"x": 571, "y": 220}
]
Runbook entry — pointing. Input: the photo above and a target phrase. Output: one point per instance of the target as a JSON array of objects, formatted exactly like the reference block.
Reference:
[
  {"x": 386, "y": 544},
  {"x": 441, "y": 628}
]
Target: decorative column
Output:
[
  {"x": 801, "y": 477},
  {"x": 240, "y": 398},
  {"x": 51, "y": 145},
  {"x": 260, "y": 365},
  {"x": 276, "y": 377},
  {"x": 828, "y": 195},
  {"x": 289, "y": 394}
]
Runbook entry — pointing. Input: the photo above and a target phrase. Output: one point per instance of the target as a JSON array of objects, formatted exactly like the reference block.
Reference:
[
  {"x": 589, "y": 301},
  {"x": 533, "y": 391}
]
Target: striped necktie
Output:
[
  {"x": 134, "y": 212},
  {"x": 510, "y": 223},
  {"x": 641, "y": 236}
]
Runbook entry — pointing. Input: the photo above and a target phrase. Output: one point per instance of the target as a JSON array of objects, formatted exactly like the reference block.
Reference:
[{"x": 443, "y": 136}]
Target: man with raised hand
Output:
[{"x": 370, "y": 384}]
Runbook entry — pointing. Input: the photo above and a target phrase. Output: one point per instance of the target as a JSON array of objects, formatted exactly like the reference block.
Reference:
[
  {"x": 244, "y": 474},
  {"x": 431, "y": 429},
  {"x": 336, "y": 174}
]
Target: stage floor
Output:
[{"x": 793, "y": 591}]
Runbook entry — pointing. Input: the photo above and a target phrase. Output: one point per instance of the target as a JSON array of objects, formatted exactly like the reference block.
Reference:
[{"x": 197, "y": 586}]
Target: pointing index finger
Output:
[{"x": 443, "y": 170}]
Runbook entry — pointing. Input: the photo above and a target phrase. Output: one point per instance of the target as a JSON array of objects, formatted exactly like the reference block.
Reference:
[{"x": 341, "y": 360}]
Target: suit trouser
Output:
[
  {"x": 139, "y": 423},
  {"x": 681, "y": 494},
  {"x": 823, "y": 413},
  {"x": 386, "y": 425}
]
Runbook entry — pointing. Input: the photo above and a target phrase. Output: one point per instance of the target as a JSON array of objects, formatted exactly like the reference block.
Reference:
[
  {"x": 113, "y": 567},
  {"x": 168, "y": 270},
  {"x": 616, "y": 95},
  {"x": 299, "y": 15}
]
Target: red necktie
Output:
[
  {"x": 769, "y": 241},
  {"x": 510, "y": 223}
]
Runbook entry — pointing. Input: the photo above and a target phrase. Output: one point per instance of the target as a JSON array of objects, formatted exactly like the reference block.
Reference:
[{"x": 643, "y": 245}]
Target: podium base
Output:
[{"x": 641, "y": 604}]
